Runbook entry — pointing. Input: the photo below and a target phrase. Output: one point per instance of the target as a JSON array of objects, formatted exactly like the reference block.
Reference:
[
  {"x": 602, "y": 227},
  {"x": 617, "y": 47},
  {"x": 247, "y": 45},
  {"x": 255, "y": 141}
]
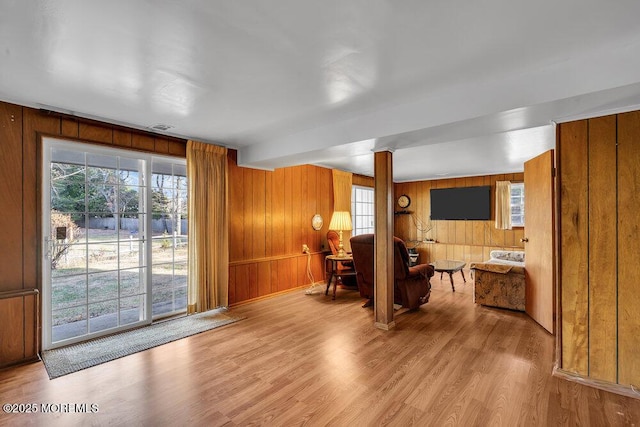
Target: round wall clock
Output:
[
  {"x": 316, "y": 222},
  {"x": 404, "y": 201}
]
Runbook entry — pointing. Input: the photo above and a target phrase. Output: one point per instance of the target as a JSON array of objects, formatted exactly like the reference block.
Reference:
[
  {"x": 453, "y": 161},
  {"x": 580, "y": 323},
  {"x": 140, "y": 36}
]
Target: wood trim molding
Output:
[
  {"x": 18, "y": 293},
  {"x": 558, "y": 248},
  {"x": 103, "y": 123},
  {"x": 362, "y": 181},
  {"x": 100, "y": 143},
  {"x": 269, "y": 296},
  {"x": 628, "y": 391},
  {"x": 273, "y": 258}
]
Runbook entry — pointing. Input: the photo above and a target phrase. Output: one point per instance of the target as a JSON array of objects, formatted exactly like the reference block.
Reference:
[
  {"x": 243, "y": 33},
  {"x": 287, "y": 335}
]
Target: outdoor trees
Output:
[
  {"x": 68, "y": 189},
  {"x": 103, "y": 191},
  {"x": 94, "y": 197},
  {"x": 169, "y": 199}
]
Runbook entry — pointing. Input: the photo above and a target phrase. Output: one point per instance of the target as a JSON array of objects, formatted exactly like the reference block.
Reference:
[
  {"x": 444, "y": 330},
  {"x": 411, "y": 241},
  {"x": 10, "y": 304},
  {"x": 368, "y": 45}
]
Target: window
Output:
[
  {"x": 517, "y": 204},
  {"x": 362, "y": 210}
]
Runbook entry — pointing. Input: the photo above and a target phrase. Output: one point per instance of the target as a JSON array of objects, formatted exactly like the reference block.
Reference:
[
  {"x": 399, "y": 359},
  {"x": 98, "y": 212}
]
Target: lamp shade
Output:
[{"x": 341, "y": 220}]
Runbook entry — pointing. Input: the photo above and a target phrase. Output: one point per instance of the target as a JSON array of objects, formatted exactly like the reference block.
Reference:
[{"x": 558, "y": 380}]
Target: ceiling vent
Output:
[{"x": 161, "y": 127}]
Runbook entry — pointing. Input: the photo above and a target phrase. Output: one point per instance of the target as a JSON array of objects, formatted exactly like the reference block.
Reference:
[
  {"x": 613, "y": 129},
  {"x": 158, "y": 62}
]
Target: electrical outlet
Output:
[{"x": 305, "y": 249}]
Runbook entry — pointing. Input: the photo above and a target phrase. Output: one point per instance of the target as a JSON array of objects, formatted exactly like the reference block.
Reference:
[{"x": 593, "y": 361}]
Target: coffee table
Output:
[{"x": 449, "y": 267}]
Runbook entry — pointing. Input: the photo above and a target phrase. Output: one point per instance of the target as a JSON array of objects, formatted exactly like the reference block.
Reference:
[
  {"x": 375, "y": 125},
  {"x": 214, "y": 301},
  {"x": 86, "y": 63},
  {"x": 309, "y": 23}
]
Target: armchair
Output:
[{"x": 411, "y": 284}]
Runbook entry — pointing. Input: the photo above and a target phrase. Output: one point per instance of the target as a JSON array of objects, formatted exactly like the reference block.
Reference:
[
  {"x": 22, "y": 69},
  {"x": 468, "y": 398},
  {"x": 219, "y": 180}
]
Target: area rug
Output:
[{"x": 73, "y": 358}]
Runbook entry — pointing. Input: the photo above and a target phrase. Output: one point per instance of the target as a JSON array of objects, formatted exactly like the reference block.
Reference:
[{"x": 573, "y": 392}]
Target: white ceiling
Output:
[{"x": 454, "y": 91}]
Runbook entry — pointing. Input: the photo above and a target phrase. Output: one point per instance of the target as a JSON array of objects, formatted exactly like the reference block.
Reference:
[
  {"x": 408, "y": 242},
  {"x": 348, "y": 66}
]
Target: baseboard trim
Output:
[
  {"x": 628, "y": 391},
  {"x": 268, "y": 296},
  {"x": 385, "y": 326},
  {"x": 28, "y": 360}
]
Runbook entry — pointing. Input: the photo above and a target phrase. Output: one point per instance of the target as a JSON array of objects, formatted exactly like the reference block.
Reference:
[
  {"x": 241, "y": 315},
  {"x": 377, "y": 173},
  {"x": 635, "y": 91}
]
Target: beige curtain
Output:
[
  {"x": 503, "y": 205},
  {"x": 342, "y": 190},
  {"x": 208, "y": 279}
]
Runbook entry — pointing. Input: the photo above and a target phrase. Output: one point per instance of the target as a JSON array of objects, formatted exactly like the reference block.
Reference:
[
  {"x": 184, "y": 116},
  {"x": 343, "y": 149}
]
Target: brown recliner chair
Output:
[
  {"x": 411, "y": 284},
  {"x": 334, "y": 240}
]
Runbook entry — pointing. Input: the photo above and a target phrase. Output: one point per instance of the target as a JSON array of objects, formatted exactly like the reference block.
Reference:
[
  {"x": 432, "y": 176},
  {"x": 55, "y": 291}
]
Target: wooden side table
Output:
[{"x": 335, "y": 273}]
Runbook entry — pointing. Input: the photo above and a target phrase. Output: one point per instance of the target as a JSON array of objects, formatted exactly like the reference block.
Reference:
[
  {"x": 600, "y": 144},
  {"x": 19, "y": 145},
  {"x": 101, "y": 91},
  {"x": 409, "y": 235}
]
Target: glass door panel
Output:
[
  {"x": 169, "y": 238},
  {"x": 94, "y": 276}
]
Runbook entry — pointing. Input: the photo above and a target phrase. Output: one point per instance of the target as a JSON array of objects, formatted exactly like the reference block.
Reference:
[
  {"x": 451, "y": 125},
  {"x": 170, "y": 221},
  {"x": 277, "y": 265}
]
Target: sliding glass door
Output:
[
  {"x": 106, "y": 230},
  {"x": 169, "y": 227}
]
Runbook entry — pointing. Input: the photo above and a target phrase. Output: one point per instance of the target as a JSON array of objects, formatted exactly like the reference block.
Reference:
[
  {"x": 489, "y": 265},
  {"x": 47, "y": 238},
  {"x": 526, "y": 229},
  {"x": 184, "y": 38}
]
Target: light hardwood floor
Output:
[{"x": 307, "y": 360}]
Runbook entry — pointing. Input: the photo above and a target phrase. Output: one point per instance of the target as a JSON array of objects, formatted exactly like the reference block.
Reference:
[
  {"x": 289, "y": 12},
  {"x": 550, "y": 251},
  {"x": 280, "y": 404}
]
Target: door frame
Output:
[{"x": 47, "y": 144}]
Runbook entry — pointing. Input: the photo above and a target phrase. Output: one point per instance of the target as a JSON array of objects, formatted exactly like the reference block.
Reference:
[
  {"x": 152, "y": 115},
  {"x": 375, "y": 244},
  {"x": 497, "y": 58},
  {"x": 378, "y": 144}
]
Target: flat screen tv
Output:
[{"x": 461, "y": 203}]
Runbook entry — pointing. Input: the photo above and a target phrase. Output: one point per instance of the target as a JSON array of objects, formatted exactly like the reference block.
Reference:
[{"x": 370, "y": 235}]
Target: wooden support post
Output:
[{"x": 383, "y": 300}]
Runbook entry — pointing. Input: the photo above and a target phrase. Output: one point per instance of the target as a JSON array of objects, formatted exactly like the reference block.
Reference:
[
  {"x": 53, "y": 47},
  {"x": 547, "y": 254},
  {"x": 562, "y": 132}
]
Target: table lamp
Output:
[{"x": 341, "y": 220}]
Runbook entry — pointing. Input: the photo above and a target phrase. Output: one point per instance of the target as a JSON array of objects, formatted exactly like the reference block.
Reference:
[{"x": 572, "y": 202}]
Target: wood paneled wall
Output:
[
  {"x": 363, "y": 181},
  {"x": 20, "y": 128},
  {"x": 599, "y": 175},
  {"x": 270, "y": 220},
  {"x": 469, "y": 241},
  {"x": 270, "y": 211},
  {"x": 19, "y": 314}
]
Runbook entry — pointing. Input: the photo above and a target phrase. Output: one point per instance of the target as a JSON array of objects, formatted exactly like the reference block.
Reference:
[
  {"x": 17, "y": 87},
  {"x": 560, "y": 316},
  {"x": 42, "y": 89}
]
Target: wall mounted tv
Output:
[{"x": 461, "y": 203}]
